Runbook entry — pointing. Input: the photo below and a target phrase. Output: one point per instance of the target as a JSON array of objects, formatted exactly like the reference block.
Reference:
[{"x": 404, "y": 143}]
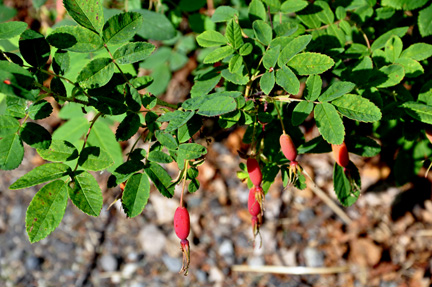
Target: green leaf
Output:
[
  {"x": 8, "y": 125},
  {"x": 425, "y": 95},
  {"x": 41, "y": 174},
  {"x": 216, "y": 106},
  {"x": 61, "y": 62},
  {"x": 404, "y": 4},
  {"x": 363, "y": 146},
  {"x": 96, "y": 73},
  {"x": 86, "y": 194},
  {"x": 40, "y": 110},
  {"x": 86, "y": 13},
  {"x": 191, "y": 5},
  {"x": 315, "y": 145},
  {"x": 159, "y": 156},
  {"x": 34, "y": 48},
  {"x": 21, "y": 81},
  {"x": 329, "y": 123},
  {"x": 122, "y": 27},
  {"x": 75, "y": 39},
  {"x": 211, "y": 39},
  {"x": 418, "y": 51},
  {"x": 193, "y": 185},
  {"x": 124, "y": 171},
  {"x": 160, "y": 178},
  {"x": 246, "y": 49},
  {"x": 235, "y": 63},
  {"x": 288, "y": 80},
  {"x": 390, "y": 76},
  {"x": 301, "y": 111},
  {"x": 176, "y": 119},
  {"x": 419, "y": 111},
  {"x": 310, "y": 63},
  {"x": 424, "y": 22},
  {"x": 233, "y": 34},
  {"x": 223, "y": 14},
  {"x": 94, "y": 158},
  {"x": 204, "y": 83},
  {"x": 336, "y": 90},
  {"x": 381, "y": 41},
  {"x": 133, "y": 52},
  {"x": 393, "y": 48},
  {"x": 186, "y": 131},
  {"x": 72, "y": 130},
  {"x": 218, "y": 54},
  {"x": 357, "y": 108},
  {"x": 291, "y": 6},
  {"x": 267, "y": 82},
  {"x": 263, "y": 32},
  {"x": 326, "y": 15},
  {"x": 60, "y": 151},
  {"x": 236, "y": 78},
  {"x": 11, "y": 29},
  {"x": 412, "y": 68},
  {"x": 156, "y": 26},
  {"x": 309, "y": 16},
  {"x": 167, "y": 140},
  {"x": 313, "y": 87},
  {"x": 294, "y": 47},
  {"x": 142, "y": 82},
  {"x": 136, "y": 194},
  {"x": 192, "y": 150},
  {"x": 133, "y": 99},
  {"x": 128, "y": 127},
  {"x": 270, "y": 57},
  {"x": 36, "y": 136},
  {"x": 46, "y": 210},
  {"x": 347, "y": 189},
  {"x": 257, "y": 11}
]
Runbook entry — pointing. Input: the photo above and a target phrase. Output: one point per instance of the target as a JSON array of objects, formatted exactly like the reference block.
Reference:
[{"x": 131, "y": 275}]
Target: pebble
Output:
[
  {"x": 201, "y": 276},
  {"x": 306, "y": 216},
  {"x": 215, "y": 275},
  {"x": 108, "y": 263},
  {"x": 226, "y": 250},
  {"x": 313, "y": 257},
  {"x": 173, "y": 264},
  {"x": 34, "y": 263},
  {"x": 152, "y": 240},
  {"x": 129, "y": 269}
]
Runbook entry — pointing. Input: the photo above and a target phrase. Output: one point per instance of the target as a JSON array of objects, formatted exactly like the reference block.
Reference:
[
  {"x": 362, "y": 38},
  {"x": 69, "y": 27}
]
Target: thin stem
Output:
[
  {"x": 6, "y": 56},
  {"x": 270, "y": 17},
  {"x": 168, "y": 105},
  {"x": 184, "y": 182},
  {"x": 118, "y": 67},
  {"x": 133, "y": 147},
  {"x": 280, "y": 117},
  {"x": 322, "y": 27},
  {"x": 87, "y": 135}
]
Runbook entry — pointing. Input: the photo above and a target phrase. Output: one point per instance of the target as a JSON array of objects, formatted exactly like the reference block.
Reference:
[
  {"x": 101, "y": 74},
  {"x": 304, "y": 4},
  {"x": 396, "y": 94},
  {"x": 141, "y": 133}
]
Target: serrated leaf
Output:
[
  {"x": 192, "y": 150},
  {"x": 159, "y": 156},
  {"x": 419, "y": 111},
  {"x": 263, "y": 32},
  {"x": 96, "y": 73},
  {"x": 122, "y": 27},
  {"x": 236, "y": 78},
  {"x": 160, "y": 178},
  {"x": 411, "y": 67},
  {"x": 124, "y": 171},
  {"x": 310, "y": 63},
  {"x": 60, "y": 151},
  {"x": 288, "y": 80},
  {"x": 257, "y": 10},
  {"x": 326, "y": 15},
  {"x": 294, "y": 47},
  {"x": 393, "y": 48},
  {"x": 46, "y": 210},
  {"x": 61, "y": 62},
  {"x": 86, "y": 194},
  {"x": 223, "y": 14},
  {"x": 347, "y": 189},
  {"x": 363, "y": 146},
  {"x": 128, "y": 127},
  {"x": 291, "y": 6},
  {"x": 313, "y": 87},
  {"x": 34, "y": 48},
  {"x": 40, "y": 110},
  {"x": 176, "y": 119},
  {"x": 136, "y": 194},
  {"x": 86, "y": 13},
  {"x": 246, "y": 49},
  {"x": 267, "y": 82},
  {"x": 404, "y": 4},
  {"x": 103, "y": 137},
  {"x": 142, "y": 82},
  {"x": 218, "y": 54},
  {"x": 329, "y": 123},
  {"x": 425, "y": 95},
  {"x": 21, "y": 81},
  {"x": 11, "y": 29},
  {"x": 235, "y": 63},
  {"x": 211, "y": 39},
  {"x": 75, "y": 39},
  {"x": 357, "y": 108},
  {"x": 233, "y": 34},
  {"x": 94, "y": 158},
  {"x": 133, "y": 52},
  {"x": 166, "y": 140},
  {"x": 270, "y": 57},
  {"x": 133, "y": 99},
  {"x": 72, "y": 130},
  {"x": 8, "y": 125},
  {"x": 36, "y": 136},
  {"x": 309, "y": 16},
  {"x": 41, "y": 174},
  {"x": 301, "y": 111},
  {"x": 424, "y": 21},
  {"x": 382, "y": 40},
  {"x": 390, "y": 76},
  {"x": 216, "y": 106},
  {"x": 193, "y": 185},
  {"x": 203, "y": 84},
  {"x": 336, "y": 90},
  {"x": 161, "y": 27},
  {"x": 185, "y": 132},
  {"x": 418, "y": 51}
]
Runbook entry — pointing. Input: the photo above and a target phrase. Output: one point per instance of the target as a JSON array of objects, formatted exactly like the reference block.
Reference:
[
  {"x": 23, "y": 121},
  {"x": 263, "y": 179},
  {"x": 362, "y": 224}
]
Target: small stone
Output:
[
  {"x": 226, "y": 248},
  {"x": 306, "y": 216},
  {"x": 152, "y": 240},
  {"x": 313, "y": 257},
  {"x": 173, "y": 264},
  {"x": 129, "y": 269},
  {"x": 34, "y": 263},
  {"x": 201, "y": 276},
  {"x": 255, "y": 261},
  {"x": 216, "y": 275},
  {"x": 108, "y": 263}
]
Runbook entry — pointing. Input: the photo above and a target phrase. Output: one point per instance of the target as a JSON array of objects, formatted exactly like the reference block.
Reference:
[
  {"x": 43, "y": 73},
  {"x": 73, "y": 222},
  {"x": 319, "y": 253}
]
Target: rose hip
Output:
[
  {"x": 340, "y": 153},
  {"x": 288, "y": 148},
  {"x": 253, "y": 205},
  {"x": 182, "y": 229},
  {"x": 254, "y": 171}
]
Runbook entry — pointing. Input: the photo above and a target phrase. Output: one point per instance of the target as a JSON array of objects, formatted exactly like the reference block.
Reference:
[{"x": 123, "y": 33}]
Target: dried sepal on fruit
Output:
[
  {"x": 182, "y": 229},
  {"x": 255, "y": 208}
]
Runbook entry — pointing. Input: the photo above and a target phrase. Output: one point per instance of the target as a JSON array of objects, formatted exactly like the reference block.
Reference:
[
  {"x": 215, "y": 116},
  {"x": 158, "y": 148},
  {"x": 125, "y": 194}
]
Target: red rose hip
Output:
[
  {"x": 181, "y": 222},
  {"x": 340, "y": 153},
  {"x": 254, "y": 171},
  {"x": 288, "y": 148},
  {"x": 253, "y": 205}
]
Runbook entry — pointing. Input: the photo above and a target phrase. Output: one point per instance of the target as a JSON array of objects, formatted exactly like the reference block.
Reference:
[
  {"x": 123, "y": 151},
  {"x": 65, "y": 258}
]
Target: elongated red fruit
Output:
[
  {"x": 181, "y": 222},
  {"x": 288, "y": 148},
  {"x": 428, "y": 132},
  {"x": 340, "y": 153},
  {"x": 253, "y": 205},
  {"x": 254, "y": 171}
]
